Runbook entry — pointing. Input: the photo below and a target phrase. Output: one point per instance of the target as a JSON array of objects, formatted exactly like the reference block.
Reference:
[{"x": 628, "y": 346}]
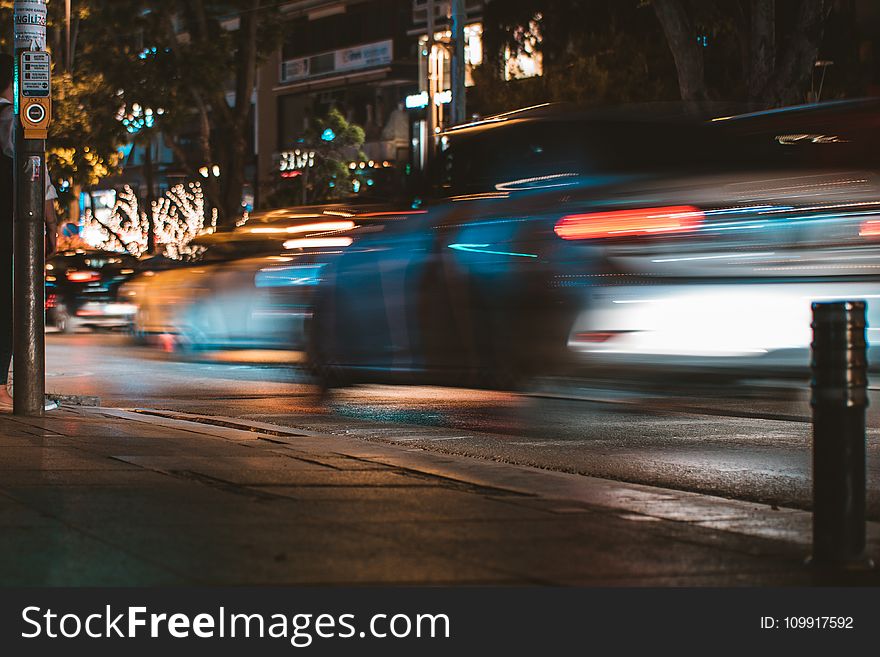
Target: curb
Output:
[
  {"x": 75, "y": 400},
  {"x": 576, "y": 493}
]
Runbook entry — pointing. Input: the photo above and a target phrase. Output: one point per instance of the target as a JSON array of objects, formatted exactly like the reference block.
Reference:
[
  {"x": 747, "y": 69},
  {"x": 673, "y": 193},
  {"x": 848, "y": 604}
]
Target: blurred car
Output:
[
  {"x": 250, "y": 288},
  {"x": 787, "y": 216},
  {"x": 557, "y": 238},
  {"x": 82, "y": 289}
]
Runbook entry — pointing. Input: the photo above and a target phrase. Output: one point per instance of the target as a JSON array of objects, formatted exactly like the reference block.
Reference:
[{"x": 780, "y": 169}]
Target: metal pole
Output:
[
  {"x": 839, "y": 399},
  {"x": 432, "y": 107},
  {"x": 29, "y": 234},
  {"x": 29, "y": 287},
  {"x": 459, "y": 115}
]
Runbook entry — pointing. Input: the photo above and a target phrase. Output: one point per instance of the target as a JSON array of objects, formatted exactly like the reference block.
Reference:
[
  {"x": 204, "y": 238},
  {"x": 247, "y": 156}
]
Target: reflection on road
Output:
[{"x": 747, "y": 441}]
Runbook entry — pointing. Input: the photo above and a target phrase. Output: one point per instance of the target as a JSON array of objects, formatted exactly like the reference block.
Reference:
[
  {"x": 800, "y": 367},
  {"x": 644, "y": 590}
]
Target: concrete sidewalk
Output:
[{"x": 96, "y": 496}]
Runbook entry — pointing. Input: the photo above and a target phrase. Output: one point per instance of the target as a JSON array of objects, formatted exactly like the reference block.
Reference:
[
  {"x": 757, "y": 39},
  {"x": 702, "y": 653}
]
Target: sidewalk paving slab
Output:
[{"x": 97, "y": 496}]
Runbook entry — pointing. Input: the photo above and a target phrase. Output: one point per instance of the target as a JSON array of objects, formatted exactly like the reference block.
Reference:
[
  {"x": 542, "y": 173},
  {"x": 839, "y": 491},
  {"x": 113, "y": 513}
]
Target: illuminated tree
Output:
[{"x": 176, "y": 218}]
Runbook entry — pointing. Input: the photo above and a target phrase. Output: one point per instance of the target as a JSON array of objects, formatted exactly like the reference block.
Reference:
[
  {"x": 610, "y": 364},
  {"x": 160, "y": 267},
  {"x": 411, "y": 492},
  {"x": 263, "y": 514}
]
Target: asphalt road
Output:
[{"x": 745, "y": 440}]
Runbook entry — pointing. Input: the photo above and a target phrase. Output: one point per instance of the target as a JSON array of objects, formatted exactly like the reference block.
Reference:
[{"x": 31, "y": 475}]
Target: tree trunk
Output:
[
  {"x": 788, "y": 83},
  {"x": 115, "y": 235},
  {"x": 762, "y": 46},
  {"x": 149, "y": 197},
  {"x": 233, "y": 182},
  {"x": 73, "y": 38},
  {"x": 304, "y": 178},
  {"x": 687, "y": 53},
  {"x": 236, "y": 141}
]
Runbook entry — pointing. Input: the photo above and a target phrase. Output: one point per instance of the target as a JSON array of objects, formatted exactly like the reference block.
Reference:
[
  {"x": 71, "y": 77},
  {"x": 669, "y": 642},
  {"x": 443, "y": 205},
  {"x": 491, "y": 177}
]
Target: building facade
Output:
[{"x": 356, "y": 56}]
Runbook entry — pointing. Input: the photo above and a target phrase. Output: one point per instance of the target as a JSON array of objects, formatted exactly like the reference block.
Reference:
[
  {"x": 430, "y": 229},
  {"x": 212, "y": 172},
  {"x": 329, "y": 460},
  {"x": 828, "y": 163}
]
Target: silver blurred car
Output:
[
  {"x": 720, "y": 268},
  {"x": 250, "y": 288}
]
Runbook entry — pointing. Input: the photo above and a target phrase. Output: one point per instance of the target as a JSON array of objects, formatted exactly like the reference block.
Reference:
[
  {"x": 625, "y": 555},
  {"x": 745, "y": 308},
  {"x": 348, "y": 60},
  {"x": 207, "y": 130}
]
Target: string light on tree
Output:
[{"x": 178, "y": 217}]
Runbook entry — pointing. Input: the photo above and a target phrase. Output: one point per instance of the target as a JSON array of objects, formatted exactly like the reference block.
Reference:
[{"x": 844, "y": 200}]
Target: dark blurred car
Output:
[
  {"x": 549, "y": 228},
  {"x": 82, "y": 289}
]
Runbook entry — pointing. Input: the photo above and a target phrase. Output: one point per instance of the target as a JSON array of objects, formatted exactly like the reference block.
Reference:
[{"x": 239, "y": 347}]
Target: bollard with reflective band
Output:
[{"x": 839, "y": 399}]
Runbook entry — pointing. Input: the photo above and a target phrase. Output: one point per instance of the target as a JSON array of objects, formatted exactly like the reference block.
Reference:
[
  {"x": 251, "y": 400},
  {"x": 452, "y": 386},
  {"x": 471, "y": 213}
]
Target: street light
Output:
[{"x": 823, "y": 64}]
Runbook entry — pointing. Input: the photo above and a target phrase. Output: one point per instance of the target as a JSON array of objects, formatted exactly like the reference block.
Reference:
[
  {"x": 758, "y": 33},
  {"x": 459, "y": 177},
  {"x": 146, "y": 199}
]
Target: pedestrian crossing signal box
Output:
[{"x": 35, "y": 93}]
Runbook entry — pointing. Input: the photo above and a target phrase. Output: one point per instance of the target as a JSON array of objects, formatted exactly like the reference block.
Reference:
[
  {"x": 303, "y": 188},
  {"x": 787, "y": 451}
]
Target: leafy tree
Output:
[
  {"x": 332, "y": 155},
  {"x": 325, "y": 151},
  {"x": 760, "y": 52},
  {"x": 196, "y": 59},
  {"x": 776, "y": 45},
  {"x": 84, "y": 136},
  {"x": 593, "y": 51}
]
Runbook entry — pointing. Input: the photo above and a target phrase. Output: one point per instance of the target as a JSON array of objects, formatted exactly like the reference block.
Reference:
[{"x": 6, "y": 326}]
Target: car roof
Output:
[{"x": 670, "y": 113}]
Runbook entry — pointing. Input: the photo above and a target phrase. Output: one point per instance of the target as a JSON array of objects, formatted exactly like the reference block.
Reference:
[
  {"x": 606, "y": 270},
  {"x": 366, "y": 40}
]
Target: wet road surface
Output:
[{"x": 746, "y": 441}]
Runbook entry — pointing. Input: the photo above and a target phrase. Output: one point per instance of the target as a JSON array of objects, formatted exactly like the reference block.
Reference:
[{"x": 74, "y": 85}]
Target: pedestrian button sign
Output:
[
  {"x": 34, "y": 75},
  {"x": 35, "y": 93},
  {"x": 36, "y": 113}
]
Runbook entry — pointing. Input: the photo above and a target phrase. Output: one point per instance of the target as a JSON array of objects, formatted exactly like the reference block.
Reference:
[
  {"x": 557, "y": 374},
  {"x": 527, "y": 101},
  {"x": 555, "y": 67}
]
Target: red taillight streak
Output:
[
  {"x": 629, "y": 223},
  {"x": 870, "y": 228},
  {"x": 83, "y": 276},
  {"x": 597, "y": 336}
]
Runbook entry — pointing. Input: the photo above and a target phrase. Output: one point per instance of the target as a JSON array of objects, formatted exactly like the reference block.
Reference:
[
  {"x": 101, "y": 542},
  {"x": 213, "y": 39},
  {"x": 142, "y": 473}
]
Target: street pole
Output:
[
  {"x": 432, "y": 107},
  {"x": 458, "y": 87},
  {"x": 33, "y": 106}
]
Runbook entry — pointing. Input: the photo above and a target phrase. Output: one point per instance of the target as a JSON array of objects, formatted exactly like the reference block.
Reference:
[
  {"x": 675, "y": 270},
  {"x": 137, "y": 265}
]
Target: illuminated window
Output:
[
  {"x": 528, "y": 62},
  {"x": 473, "y": 51}
]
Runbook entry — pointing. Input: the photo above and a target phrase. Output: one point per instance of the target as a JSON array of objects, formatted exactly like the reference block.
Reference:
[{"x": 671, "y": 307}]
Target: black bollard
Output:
[{"x": 839, "y": 399}]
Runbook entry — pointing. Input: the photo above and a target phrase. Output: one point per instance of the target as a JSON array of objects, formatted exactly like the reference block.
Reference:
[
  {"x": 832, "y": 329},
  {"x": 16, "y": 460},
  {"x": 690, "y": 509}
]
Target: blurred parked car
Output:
[
  {"x": 82, "y": 289},
  {"x": 556, "y": 238}
]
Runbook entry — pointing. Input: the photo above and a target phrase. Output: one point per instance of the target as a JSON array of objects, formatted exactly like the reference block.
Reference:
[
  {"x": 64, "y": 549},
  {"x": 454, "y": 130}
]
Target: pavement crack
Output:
[
  {"x": 222, "y": 423},
  {"x": 222, "y": 484}
]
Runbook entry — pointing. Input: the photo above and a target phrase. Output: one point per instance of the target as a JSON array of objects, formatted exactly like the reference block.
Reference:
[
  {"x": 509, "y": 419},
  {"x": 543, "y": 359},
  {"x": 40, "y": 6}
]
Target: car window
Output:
[
  {"x": 548, "y": 152},
  {"x": 481, "y": 163}
]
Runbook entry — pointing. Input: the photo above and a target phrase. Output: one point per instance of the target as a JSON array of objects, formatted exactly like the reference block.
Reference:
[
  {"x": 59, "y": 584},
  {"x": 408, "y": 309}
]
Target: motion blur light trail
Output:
[{"x": 744, "y": 441}]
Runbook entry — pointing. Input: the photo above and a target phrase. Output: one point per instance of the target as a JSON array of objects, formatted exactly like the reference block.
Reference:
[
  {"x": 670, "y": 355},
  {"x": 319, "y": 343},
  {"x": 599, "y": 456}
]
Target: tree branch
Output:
[
  {"x": 115, "y": 235},
  {"x": 246, "y": 63},
  {"x": 762, "y": 46}
]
